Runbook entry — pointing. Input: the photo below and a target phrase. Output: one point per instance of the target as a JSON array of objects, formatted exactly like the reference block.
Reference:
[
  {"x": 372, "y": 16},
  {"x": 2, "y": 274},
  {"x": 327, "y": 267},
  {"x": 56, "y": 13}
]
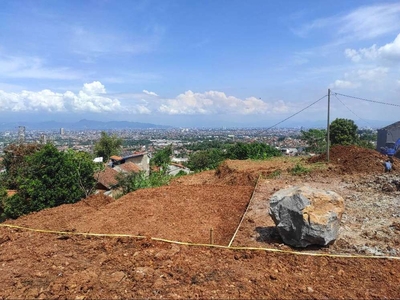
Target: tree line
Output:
[
  {"x": 214, "y": 153},
  {"x": 341, "y": 132}
]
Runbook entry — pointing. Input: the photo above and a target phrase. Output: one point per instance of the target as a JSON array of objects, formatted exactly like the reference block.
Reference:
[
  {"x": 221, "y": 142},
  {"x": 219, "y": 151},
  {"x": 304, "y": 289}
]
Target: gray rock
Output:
[{"x": 306, "y": 216}]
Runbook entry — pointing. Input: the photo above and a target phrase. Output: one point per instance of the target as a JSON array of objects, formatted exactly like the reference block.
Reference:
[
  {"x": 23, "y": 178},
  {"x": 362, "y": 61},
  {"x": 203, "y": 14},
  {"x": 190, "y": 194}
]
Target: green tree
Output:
[
  {"x": 238, "y": 151},
  {"x": 367, "y": 138},
  {"x": 107, "y": 146},
  {"x": 315, "y": 139},
  {"x": 162, "y": 157},
  {"x": 254, "y": 150},
  {"x": 84, "y": 168},
  {"x": 343, "y": 132},
  {"x": 3, "y": 197},
  {"x": 51, "y": 178},
  {"x": 261, "y": 151},
  {"x": 205, "y": 159},
  {"x": 14, "y": 161}
]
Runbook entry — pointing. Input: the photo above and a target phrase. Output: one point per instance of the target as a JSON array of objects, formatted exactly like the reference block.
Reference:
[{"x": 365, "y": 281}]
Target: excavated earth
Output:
[{"x": 63, "y": 258}]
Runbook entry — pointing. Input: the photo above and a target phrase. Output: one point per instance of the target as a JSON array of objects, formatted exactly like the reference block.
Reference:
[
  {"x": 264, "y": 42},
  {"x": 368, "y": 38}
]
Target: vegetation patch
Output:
[{"x": 299, "y": 169}]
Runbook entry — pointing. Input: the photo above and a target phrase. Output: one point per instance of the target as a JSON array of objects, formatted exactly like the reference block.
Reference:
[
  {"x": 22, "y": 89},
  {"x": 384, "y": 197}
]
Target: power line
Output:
[
  {"x": 367, "y": 100},
  {"x": 335, "y": 94},
  {"x": 296, "y": 113}
]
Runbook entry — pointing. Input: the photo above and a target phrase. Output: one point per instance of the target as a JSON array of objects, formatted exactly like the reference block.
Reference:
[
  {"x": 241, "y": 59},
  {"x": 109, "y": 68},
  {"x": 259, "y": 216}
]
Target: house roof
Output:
[
  {"x": 128, "y": 167},
  {"x": 135, "y": 154},
  {"x": 115, "y": 157},
  {"x": 107, "y": 177},
  {"x": 392, "y": 126}
]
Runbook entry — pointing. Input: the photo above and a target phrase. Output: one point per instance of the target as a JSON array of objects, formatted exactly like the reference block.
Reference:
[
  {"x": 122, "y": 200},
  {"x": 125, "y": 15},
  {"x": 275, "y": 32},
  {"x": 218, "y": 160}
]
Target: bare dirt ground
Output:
[{"x": 46, "y": 265}]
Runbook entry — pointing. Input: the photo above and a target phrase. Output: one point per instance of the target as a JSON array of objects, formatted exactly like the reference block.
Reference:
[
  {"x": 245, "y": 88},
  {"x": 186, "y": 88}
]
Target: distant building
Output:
[
  {"x": 43, "y": 139},
  {"x": 21, "y": 134},
  {"x": 174, "y": 169},
  {"x": 390, "y": 133},
  {"x": 289, "y": 151},
  {"x": 62, "y": 131},
  {"x": 141, "y": 159}
]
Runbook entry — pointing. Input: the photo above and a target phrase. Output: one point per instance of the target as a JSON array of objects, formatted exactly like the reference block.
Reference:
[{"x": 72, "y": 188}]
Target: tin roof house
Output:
[{"x": 388, "y": 134}]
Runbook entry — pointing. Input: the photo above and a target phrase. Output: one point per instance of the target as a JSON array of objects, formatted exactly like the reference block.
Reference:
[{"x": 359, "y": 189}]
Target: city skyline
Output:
[{"x": 199, "y": 63}]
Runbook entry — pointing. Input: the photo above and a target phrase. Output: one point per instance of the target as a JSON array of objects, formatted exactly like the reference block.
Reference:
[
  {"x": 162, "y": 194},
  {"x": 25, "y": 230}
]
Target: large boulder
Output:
[{"x": 306, "y": 216}]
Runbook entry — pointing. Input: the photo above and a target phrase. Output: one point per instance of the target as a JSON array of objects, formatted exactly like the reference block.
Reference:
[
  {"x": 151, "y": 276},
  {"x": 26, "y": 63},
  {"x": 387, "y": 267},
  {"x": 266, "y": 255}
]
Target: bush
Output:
[
  {"x": 298, "y": 169},
  {"x": 205, "y": 159},
  {"x": 254, "y": 150},
  {"x": 133, "y": 181},
  {"x": 50, "y": 178}
]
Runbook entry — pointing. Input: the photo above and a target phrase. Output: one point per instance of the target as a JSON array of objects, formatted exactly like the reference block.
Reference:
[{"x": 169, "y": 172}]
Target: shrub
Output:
[{"x": 298, "y": 169}]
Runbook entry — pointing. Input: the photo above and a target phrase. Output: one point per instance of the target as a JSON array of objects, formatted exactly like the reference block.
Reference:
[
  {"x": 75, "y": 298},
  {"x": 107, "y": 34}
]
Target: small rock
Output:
[
  {"x": 117, "y": 276},
  {"x": 273, "y": 277}
]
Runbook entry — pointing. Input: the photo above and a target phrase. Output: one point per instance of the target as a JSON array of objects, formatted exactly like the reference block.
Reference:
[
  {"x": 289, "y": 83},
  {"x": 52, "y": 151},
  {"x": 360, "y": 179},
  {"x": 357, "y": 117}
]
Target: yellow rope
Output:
[
  {"x": 200, "y": 245},
  {"x": 247, "y": 208}
]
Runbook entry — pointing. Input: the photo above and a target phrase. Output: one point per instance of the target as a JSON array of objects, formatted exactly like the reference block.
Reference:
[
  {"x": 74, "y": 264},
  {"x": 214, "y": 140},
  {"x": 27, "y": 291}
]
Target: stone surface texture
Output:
[{"x": 306, "y": 216}]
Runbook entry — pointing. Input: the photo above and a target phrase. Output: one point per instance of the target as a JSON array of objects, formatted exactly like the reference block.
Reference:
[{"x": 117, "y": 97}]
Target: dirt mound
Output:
[
  {"x": 203, "y": 178},
  {"x": 182, "y": 213},
  {"x": 353, "y": 159},
  {"x": 241, "y": 172},
  {"x": 97, "y": 201},
  {"x": 227, "y": 174}
]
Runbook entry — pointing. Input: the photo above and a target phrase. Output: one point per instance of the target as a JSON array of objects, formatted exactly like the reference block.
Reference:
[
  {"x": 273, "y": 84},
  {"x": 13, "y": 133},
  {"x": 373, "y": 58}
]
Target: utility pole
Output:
[{"x": 327, "y": 127}]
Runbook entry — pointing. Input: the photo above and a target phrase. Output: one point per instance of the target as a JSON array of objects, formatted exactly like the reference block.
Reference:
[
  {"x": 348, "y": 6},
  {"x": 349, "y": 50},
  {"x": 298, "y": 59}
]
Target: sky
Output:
[{"x": 199, "y": 63}]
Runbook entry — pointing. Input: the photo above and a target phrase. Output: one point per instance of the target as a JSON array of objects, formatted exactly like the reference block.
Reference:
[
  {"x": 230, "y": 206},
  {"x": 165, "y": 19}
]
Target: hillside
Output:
[{"x": 38, "y": 264}]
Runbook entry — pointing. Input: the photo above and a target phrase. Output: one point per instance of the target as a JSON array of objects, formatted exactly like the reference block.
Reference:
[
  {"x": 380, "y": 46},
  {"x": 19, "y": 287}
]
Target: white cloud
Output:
[
  {"x": 374, "y": 74},
  {"x": 143, "y": 110},
  {"x": 371, "y": 21},
  {"x": 357, "y": 78},
  {"x": 93, "y": 98},
  {"x": 365, "y": 22},
  {"x": 214, "y": 102},
  {"x": 390, "y": 51},
  {"x": 94, "y": 88},
  {"x": 32, "y": 67},
  {"x": 343, "y": 84},
  {"x": 87, "y": 100},
  {"x": 150, "y": 93},
  {"x": 352, "y": 54}
]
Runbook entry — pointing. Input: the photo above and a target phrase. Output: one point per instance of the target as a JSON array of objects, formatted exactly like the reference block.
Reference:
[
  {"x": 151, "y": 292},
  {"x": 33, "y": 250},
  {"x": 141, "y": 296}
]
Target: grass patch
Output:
[
  {"x": 299, "y": 169},
  {"x": 275, "y": 174}
]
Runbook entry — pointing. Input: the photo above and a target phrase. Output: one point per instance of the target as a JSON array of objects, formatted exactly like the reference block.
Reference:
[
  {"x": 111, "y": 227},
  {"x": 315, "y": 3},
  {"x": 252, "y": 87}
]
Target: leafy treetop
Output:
[
  {"x": 107, "y": 146},
  {"x": 343, "y": 132}
]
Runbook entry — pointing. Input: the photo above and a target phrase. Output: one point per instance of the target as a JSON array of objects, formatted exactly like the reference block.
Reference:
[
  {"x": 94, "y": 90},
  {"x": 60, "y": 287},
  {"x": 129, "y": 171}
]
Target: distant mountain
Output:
[{"x": 81, "y": 125}]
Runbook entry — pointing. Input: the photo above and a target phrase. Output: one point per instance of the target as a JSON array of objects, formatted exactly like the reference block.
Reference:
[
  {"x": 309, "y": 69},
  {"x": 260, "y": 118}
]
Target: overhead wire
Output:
[
  {"x": 296, "y": 113},
  {"x": 367, "y": 100},
  {"x": 351, "y": 110}
]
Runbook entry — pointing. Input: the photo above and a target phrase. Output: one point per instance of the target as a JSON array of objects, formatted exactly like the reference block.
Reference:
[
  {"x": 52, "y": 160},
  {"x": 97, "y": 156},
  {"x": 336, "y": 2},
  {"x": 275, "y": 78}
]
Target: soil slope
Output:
[{"x": 46, "y": 265}]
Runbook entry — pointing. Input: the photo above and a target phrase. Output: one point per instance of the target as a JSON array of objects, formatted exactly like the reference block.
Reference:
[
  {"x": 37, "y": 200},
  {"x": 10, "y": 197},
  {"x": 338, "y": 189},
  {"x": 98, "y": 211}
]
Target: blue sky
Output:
[{"x": 198, "y": 63}]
